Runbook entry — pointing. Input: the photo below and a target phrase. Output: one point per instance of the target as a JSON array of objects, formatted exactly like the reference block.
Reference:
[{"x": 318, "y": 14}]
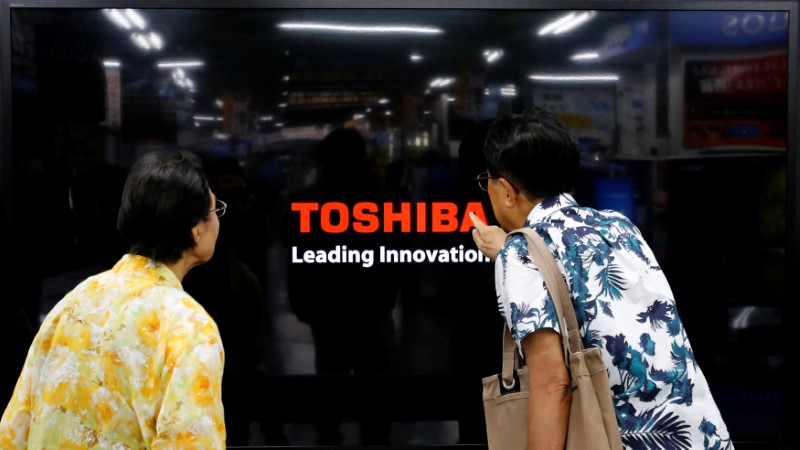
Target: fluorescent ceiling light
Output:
[
  {"x": 155, "y": 40},
  {"x": 344, "y": 28},
  {"x": 111, "y": 63},
  {"x": 596, "y": 77},
  {"x": 135, "y": 18},
  {"x": 547, "y": 29},
  {"x": 118, "y": 18},
  {"x": 187, "y": 63},
  {"x": 141, "y": 41},
  {"x": 575, "y": 23},
  {"x": 492, "y": 55},
  {"x": 585, "y": 56},
  {"x": 566, "y": 23},
  {"x": 442, "y": 82}
]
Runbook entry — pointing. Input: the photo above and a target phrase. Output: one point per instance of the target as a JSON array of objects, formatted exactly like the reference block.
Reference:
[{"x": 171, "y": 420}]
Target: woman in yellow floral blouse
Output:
[{"x": 127, "y": 359}]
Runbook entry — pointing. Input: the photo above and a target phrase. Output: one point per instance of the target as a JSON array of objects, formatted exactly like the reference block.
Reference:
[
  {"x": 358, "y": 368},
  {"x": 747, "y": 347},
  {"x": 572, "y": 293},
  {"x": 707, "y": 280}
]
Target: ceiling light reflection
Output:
[
  {"x": 135, "y": 18},
  {"x": 442, "y": 82},
  {"x": 344, "y": 28},
  {"x": 141, "y": 41},
  {"x": 118, "y": 18},
  {"x": 598, "y": 77},
  {"x": 493, "y": 55},
  {"x": 566, "y": 23},
  {"x": 185, "y": 63},
  {"x": 548, "y": 28},
  {"x": 155, "y": 40},
  {"x": 585, "y": 56},
  {"x": 575, "y": 23}
]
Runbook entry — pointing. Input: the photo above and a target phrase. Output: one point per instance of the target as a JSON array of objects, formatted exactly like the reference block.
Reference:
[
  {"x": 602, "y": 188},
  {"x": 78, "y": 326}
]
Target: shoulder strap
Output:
[
  {"x": 567, "y": 321},
  {"x": 511, "y": 357}
]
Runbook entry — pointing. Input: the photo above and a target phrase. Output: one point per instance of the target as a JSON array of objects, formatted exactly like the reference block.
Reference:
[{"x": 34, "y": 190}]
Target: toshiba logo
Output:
[{"x": 388, "y": 217}]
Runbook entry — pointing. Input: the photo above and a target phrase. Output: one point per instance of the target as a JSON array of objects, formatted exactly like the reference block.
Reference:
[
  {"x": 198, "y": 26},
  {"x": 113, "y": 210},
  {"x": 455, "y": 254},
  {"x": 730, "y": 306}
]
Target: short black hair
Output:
[
  {"x": 534, "y": 151},
  {"x": 165, "y": 195}
]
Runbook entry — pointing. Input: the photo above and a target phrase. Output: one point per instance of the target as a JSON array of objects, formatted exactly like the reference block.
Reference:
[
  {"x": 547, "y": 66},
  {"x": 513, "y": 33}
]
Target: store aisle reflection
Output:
[
  {"x": 348, "y": 305},
  {"x": 476, "y": 331},
  {"x": 233, "y": 295}
]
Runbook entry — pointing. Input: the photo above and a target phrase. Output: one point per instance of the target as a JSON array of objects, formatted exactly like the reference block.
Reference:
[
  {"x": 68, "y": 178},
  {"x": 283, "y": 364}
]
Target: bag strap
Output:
[
  {"x": 510, "y": 359},
  {"x": 567, "y": 321}
]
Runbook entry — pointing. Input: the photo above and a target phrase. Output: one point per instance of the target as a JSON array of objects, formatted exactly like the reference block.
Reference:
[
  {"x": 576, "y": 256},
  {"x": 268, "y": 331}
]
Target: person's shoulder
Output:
[
  {"x": 77, "y": 292},
  {"x": 182, "y": 314},
  {"x": 515, "y": 238},
  {"x": 177, "y": 302},
  {"x": 515, "y": 243}
]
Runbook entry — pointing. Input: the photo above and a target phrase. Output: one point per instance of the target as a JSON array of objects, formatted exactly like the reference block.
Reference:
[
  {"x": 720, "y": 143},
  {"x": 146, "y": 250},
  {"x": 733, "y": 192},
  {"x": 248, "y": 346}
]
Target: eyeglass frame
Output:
[
  {"x": 223, "y": 208},
  {"x": 485, "y": 176}
]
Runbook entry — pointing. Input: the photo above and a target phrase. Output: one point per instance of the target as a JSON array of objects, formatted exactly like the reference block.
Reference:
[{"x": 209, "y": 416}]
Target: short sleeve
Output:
[{"x": 527, "y": 303}]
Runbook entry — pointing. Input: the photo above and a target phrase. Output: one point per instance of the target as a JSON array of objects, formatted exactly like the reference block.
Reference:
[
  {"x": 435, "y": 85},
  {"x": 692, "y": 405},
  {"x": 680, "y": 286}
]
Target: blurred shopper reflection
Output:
[
  {"x": 348, "y": 305},
  {"x": 459, "y": 301},
  {"x": 94, "y": 198},
  {"x": 475, "y": 347},
  {"x": 232, "y": 294}
]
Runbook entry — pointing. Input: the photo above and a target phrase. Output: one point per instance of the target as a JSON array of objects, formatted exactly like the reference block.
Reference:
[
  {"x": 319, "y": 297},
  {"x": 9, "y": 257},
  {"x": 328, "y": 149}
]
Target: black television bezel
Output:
[{"x": 792, "y": 7}]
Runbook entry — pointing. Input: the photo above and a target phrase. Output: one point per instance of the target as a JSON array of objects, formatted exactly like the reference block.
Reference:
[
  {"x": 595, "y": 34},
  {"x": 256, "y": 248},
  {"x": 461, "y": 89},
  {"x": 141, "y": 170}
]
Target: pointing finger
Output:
[{"x": 476, "y": 221}]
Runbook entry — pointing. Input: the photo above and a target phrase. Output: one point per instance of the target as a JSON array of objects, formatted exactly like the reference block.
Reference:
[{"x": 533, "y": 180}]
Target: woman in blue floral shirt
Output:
[{"x": 622, "y": 299}]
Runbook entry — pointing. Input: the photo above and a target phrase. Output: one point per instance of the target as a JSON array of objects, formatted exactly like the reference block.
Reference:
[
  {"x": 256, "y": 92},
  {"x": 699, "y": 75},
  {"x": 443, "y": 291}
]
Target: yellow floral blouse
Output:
[{"x": 126, "y": 360}]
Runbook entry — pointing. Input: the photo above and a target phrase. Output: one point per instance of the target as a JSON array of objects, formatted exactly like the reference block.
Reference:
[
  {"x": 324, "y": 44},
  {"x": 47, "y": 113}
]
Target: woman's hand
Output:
[{"x": 488, "y": 238}]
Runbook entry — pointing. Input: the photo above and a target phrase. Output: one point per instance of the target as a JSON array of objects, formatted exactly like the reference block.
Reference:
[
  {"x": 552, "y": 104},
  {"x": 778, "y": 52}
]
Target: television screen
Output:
[{"x": 345, "y": 138}]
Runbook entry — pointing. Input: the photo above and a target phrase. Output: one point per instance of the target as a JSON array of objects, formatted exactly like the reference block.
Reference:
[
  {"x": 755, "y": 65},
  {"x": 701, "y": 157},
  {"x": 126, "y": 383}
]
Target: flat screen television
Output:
[{"x": 345, "y": 137}]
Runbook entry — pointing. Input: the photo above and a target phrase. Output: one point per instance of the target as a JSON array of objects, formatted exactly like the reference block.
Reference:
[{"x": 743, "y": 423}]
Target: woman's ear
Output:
[{"x": 196, "y": 233}]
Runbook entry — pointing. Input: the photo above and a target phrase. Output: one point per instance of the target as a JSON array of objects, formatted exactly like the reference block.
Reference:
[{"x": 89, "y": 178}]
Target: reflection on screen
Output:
[{"x": 346, "y": 143}]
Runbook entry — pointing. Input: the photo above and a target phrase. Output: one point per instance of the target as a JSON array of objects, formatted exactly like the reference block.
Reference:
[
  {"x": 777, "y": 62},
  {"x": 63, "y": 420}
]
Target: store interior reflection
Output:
[{"x": 346, "y": 143}]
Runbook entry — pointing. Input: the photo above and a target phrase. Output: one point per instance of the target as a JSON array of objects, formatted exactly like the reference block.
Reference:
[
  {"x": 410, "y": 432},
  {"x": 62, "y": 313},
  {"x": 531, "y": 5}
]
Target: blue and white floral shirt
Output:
[{"x": 625, "y": 307}]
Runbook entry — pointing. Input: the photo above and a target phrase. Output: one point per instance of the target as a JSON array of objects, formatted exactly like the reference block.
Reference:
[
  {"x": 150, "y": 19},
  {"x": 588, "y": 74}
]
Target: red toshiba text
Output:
[{"x": 369, "y": 217}]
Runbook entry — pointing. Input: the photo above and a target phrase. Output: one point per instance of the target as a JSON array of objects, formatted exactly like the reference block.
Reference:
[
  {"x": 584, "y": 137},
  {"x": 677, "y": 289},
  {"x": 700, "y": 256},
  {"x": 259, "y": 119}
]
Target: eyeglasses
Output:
[
  {"x": 483, "y": 180},
  {"x": 220, "y": 209}
]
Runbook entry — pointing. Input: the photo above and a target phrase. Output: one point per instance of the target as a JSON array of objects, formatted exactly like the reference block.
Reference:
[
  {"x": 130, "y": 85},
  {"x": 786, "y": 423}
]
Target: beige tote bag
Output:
[{"x": 592, "y": 420}]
